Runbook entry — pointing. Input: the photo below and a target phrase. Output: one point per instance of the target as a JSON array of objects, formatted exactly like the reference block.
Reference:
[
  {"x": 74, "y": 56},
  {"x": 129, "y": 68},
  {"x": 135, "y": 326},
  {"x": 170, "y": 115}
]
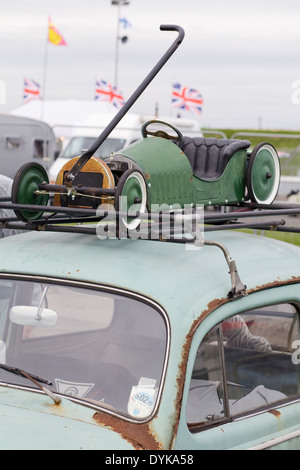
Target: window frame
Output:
[
  {"x": 107, "y": 289},
  {"x": 195, "y": 428}
]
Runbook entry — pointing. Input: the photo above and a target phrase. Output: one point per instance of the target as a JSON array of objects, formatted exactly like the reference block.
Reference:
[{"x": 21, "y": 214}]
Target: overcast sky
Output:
[{"x": 242, "y": 56}]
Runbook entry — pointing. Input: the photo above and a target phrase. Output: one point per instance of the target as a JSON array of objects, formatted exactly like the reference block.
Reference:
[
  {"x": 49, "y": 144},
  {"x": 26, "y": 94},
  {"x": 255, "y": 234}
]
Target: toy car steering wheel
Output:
[{"x": 161, "y": 133}]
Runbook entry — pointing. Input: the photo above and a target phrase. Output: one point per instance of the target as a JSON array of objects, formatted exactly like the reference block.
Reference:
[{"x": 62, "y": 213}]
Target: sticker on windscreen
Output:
[
  {"x": 73, "y": 389},
  {"x": 142, "y": 398}
]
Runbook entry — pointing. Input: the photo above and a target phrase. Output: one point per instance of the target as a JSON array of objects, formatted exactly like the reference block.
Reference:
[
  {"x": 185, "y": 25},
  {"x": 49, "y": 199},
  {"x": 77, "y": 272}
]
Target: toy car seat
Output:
[{"x": 208, "y": 157}]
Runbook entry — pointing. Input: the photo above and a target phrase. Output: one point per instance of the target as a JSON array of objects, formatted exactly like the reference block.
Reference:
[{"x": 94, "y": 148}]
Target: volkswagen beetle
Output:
[{"x": 122, "y": 344}]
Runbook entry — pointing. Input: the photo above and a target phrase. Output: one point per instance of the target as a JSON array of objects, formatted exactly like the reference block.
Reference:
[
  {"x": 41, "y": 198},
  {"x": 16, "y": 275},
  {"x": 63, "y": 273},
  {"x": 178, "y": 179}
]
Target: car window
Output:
[
  {"x": 103, "y": 347},
  {"x": 246, "y": 363}
]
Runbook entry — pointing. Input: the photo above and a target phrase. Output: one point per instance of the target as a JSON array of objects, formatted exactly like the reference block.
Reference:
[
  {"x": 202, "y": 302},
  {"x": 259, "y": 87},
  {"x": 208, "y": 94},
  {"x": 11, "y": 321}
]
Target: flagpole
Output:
[
  {"x": 23, "y": 89},
  {"x": 118, "y": 38},
  {"x": 117, "y": 47},
  {"x": 45, "y": 73}
]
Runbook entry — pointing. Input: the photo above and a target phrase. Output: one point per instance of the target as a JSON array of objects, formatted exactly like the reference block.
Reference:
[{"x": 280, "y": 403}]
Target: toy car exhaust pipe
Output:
[{"x": 117, "y": 118}]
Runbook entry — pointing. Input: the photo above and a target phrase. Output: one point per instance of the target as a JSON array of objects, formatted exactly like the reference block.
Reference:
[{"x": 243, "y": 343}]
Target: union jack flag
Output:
[
  {"x": 106, "y": 92},
  {"x": 31, "y": 90},
  {"x": 186, "y": 98}
]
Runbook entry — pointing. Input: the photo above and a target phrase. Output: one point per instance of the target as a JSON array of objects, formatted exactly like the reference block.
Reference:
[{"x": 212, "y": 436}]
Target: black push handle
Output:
[{"x": 128, "y": 104}]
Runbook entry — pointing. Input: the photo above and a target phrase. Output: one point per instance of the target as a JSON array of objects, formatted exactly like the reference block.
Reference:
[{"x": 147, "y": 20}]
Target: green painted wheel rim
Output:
[
  {"x": 132, "y": 198},
  {"x": 264, "y": 175},
  {"x": 26, "y": 182}
]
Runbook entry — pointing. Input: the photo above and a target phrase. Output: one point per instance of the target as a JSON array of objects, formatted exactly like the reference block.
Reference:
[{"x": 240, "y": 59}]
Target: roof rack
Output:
[
  {"x": 55, "y": 218},
  {"x": 153, "y": 226},
  {"x": 231, "y": 220}
]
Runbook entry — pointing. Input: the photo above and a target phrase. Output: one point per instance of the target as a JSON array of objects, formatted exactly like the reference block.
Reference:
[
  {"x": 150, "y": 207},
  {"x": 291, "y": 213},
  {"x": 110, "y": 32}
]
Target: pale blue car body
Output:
[{"x": 191, "y": 286}]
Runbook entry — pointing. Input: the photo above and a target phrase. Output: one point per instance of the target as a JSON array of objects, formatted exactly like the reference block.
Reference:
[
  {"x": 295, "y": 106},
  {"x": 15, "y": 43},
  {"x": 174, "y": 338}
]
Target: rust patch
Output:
[
  {"x": 277, "y": 283},
  {"x": 147, "y": 176},
  {"x": 185, "y": 353},
  {"x": 276, "y": 413},
  {"x": 138, "y": 435},
  {"x": 213, "y": 305}
]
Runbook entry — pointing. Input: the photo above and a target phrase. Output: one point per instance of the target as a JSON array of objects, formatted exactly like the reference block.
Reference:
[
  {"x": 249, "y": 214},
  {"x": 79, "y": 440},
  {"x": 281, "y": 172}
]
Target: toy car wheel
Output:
[
  {"x": 131, "y": 196},
  {"x": 263, "y": 174},
  {"x": 26, "y": 182}
]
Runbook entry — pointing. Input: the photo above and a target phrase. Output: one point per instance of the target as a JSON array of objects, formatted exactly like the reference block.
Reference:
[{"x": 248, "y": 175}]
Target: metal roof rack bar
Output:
[
  {"x": 49, "y": 228},
  {"x": 251, "y": 213},
  {"x": 238, "y": 289},
  {"x": 243, "y": 212},
  {"x": 212, "y": 222},
  {"x": 270, "y": 225}
]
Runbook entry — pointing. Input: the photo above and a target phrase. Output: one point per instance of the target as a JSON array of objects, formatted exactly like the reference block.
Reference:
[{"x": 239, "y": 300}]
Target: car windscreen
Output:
[
  {"x": 79, "y": 144},
  {"x": 103, "y": 347}
]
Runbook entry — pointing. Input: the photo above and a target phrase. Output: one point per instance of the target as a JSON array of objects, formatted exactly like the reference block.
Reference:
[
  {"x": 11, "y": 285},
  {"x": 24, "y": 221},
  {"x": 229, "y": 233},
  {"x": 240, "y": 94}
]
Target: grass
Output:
[{"x": 293, "y": 238}]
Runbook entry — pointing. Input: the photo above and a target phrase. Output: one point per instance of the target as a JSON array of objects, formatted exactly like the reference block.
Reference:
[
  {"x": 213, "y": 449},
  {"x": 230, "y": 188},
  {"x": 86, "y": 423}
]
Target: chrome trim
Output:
[
  {"x": 276, "y": 441},
  {"x": 223, "y": 371},
  {"x": 108, "y": 289}
]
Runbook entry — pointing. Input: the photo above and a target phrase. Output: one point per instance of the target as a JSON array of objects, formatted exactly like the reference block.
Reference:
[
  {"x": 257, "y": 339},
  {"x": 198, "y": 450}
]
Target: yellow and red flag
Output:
[{"x": 54, "y": 35}]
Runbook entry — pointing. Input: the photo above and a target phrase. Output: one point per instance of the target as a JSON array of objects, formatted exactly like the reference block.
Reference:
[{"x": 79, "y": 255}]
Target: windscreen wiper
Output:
[
  {"x": 34, "y": 378},
  {"x": 17, "y": 371}
]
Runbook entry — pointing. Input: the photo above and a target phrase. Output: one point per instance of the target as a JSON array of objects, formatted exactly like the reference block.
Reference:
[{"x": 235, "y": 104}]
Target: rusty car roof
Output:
[{"x": 177, "y": 276}]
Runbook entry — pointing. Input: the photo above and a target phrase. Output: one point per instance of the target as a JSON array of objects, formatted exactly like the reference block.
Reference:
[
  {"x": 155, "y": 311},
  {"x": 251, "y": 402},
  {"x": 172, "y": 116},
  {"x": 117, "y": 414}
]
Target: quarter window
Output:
[{"x": 246, "y": 363}]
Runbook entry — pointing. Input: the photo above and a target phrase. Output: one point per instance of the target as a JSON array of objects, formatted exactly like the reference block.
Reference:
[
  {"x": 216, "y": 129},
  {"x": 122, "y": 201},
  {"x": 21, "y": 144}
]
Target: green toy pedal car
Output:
[{"x": 155, "y": 171}]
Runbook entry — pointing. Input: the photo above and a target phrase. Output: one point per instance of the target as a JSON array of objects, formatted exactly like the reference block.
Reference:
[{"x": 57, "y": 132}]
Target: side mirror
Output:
[{"x": 33, "y": 316}]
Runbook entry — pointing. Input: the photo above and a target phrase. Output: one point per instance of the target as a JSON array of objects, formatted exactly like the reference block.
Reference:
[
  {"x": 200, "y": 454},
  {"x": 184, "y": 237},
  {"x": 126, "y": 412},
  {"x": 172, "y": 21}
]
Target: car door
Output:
[{"x": 242, "y": 386}]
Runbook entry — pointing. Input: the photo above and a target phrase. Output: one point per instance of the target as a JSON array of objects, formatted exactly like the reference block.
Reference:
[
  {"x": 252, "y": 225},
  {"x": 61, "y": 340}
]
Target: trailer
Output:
[{"x": 25, "y": 140}]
